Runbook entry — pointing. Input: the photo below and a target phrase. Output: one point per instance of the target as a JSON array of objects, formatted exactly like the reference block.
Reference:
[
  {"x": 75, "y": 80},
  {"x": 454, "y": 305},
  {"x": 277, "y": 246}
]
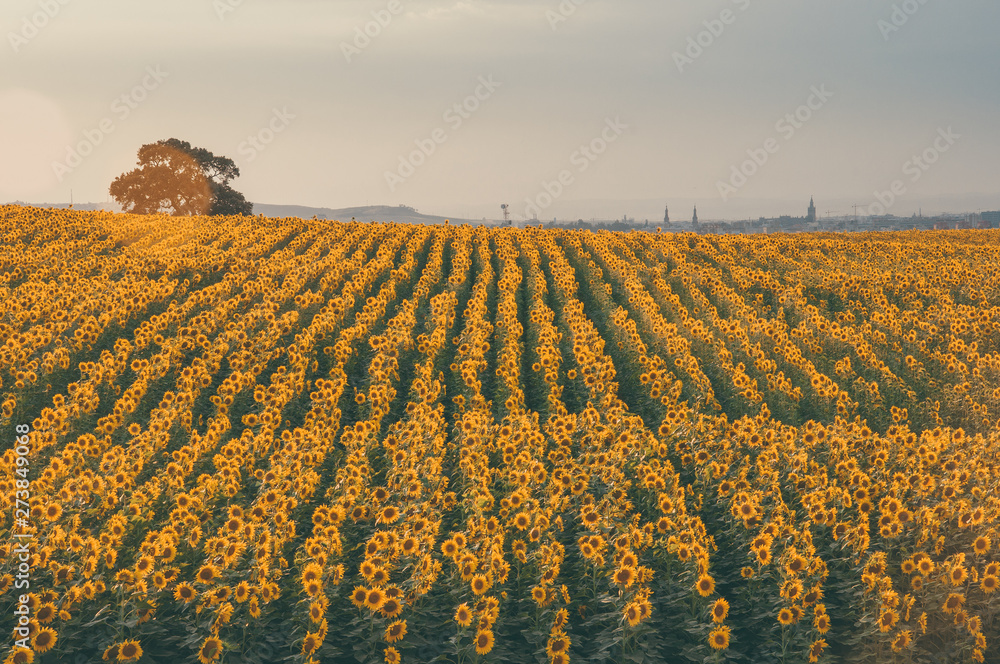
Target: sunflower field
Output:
[{"x": 249, "y": 440}]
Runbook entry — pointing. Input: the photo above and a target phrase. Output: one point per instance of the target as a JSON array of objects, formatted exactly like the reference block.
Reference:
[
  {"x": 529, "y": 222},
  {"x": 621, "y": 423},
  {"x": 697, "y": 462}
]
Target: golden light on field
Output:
[{"x": 381, "y": 442}]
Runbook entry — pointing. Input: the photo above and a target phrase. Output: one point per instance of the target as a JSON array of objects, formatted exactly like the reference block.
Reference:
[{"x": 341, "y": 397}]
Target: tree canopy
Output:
[{"x": 176, "y": 178}]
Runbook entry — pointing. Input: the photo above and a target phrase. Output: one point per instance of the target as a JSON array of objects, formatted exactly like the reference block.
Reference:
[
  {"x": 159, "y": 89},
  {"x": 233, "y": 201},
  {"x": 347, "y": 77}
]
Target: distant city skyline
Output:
[
  {"x": 403, "y": 212},
  {"x": 576, "y": 109}
]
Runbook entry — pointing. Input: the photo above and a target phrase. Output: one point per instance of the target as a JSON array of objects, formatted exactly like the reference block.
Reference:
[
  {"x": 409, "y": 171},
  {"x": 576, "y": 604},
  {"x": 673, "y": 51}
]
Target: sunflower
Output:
[
  {"x": 624, "y": 576},
  {"x": 46, "y": 613},
  {"x": 822, "y": 623},
  {"x": 129, "y": 651},
  {"x": 816, "y": 650},
  {"x": 978, "y": 515},
  {"x": 633, "y": 614},
  {"x": 367, "y": 568},
  {"x": 43, "y": 640},
  {"x": 484, "y": 641},
  {"x": 391, "y": 608},
  {"x": 591, "y": 519},
  {"x": 814, "y": 595},
  {"x": 479, "y": 584},
  {"x": 953, "y": 604},
  {"x": 375, "y": 599},
  {"x": 705, "y": 585},
  {"x": 901, "y": 641},
  {"x": 185, "y": 592},
  {"x": 795, "y": 565},
  {"x": 522, "y": 521},
  {"x": 558, "y": 644},
  {"x": 391, "y": 656},
  {"x": 210, "y": 650},
  {"x": 719, "y": 638},
  {"x": 313, "y": 572},
  {"x": 562, "y": 617},
  {"x": 720, "y": 610},
  {"x": 313, "y": 588},
  {"x": 395, "y": 631},
  {"x": 220, "y": 594},
  {"x": 785, "y": 617},
  {"x": 887, "y": 620},
  {"x": 989, "y": 584},
  {"x": 358, "y": 596},
  {"x": 316, "y": 612},
  {"x": 207, "y": 573},
  {"x": 463, "y": 615},
  {"x": 311, "y": 643},
  {"x": 958, "y": 575}
]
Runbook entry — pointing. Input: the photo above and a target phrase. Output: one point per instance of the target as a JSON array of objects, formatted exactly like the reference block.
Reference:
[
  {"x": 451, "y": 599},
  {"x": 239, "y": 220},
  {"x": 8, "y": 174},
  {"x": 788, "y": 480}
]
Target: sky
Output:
[{"x": 571, "y": 109}]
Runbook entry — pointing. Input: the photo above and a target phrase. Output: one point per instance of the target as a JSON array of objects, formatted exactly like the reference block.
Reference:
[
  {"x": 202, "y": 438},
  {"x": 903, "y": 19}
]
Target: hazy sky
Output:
[{"x": 632, "y": 104}]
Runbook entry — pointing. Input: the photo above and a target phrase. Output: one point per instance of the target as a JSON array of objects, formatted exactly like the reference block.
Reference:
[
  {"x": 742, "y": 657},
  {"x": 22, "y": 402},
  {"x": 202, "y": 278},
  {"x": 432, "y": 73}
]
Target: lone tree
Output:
[{"x": 178, "y": 179}]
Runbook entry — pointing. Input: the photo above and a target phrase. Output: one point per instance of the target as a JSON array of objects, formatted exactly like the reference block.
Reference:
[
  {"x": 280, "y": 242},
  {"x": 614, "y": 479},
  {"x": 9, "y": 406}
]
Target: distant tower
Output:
[
  {"x": 812, "y": 211},
  {"x": 666, "y": 215},
  {"x": 694, "y": 219}
]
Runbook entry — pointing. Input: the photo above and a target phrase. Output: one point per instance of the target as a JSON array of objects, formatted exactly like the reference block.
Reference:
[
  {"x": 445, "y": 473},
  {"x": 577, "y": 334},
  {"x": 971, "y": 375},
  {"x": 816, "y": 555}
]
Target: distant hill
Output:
[
  {"x": 86, "y": 207},
  {"x": 400, "y": 214}
]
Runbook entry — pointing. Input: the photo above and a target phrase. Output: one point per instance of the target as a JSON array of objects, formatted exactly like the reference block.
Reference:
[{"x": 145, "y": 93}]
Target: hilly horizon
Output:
[{"x": 600, "y": 210}]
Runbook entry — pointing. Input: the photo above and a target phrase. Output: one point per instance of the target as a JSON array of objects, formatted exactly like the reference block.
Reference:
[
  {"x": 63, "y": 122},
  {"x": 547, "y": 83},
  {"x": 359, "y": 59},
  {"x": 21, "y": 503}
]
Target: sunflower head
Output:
[
  {"x": 129, "y": 651},
  {"x": 463, "y": 615},
  {"x": 705, "y": 585},
  {"x": 484, "y": 641},
  {"x": 395, "y": 631},
  {"x": 718, "y": 639},
  {"x": 720, "y": 610}
]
